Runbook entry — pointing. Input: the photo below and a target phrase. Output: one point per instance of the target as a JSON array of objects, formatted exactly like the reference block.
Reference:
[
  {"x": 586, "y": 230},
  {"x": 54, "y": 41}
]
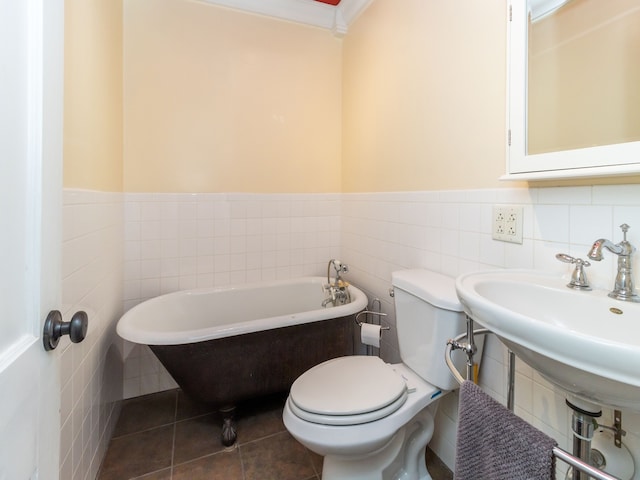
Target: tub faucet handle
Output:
[{"x": 578, "y": 277}]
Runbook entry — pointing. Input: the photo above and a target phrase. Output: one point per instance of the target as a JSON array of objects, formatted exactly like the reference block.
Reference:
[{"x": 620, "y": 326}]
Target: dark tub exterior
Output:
[
  {"x": 226, "y": 371},
  {"x": 224, "y": 346}
]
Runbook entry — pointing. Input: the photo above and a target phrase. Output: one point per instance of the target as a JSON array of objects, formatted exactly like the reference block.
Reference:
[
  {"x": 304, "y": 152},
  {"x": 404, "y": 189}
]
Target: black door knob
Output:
[{"x": 54, "y": 328}]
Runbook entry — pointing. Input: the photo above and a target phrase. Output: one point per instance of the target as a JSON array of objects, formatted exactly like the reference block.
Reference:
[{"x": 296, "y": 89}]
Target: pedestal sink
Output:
[{"x": 582, "y": 341}]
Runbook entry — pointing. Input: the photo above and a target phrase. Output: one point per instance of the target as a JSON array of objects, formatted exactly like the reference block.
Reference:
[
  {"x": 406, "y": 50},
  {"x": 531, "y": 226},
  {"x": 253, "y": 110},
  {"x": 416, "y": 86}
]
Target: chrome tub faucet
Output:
[
  {"x": 339, "y": 267},
  {"x": 623, "y": 288},
  {"x": 338, "y": 289}
]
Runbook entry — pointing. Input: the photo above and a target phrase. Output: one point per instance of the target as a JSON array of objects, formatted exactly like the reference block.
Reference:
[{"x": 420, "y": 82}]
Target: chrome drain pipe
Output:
[{"x": 583, "y": 425}]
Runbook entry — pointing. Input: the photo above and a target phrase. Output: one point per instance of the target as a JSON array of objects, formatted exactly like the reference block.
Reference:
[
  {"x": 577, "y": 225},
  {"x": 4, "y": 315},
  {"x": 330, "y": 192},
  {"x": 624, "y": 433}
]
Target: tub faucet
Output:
[
  {"x": 623, "y": 288},
  {"x": 338, "y": 289},
  {"x": 339, "y": 267},
  {"x": 327, "y": 301}
]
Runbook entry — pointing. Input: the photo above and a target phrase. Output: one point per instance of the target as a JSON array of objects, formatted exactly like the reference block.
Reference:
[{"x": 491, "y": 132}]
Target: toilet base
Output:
[{"x": 402, "y": 458}]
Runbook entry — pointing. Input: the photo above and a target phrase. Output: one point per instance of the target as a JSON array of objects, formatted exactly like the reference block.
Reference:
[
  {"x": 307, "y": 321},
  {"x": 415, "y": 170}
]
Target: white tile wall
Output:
[
  {"x": 182, "y": 241},
  {"x": 91, "y": 371},
  {"x": 177, "y": 241},
  {"x": 450, "y": 232}
]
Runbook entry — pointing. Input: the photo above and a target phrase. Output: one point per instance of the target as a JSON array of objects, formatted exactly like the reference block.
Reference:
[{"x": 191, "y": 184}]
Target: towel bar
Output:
[
  {"x": 582, "y": 466},
  {"x": 557, "y": 451}
]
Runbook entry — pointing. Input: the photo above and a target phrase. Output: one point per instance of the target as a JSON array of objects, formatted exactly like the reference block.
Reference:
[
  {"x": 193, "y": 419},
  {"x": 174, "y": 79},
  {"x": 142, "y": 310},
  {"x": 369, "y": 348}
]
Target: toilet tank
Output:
[{"x": 428, "y": 313}]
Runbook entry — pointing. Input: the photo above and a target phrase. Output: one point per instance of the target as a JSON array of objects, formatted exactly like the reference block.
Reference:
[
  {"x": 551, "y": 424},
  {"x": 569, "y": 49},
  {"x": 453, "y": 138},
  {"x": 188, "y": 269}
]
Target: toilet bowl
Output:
[
  {"x": 372, "y": 420},
  {"x": 348, "y": 445}
]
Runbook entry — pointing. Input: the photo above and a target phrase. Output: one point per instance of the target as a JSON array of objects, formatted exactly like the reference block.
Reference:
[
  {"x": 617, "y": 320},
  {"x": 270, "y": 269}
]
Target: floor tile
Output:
[
  {"x": 259, "y": 419},
  {"x": 134, "y": 455},
  {"x": 219, "y": 466},
  {"x": 187, "y": 445},
  {"x": 316, "y": 461},
  {"x": 142, "y": 413},
  {"x": 278, "y": 457},
  {"x": 160, "y": 475},
  {"x": 197, "y": 437}
]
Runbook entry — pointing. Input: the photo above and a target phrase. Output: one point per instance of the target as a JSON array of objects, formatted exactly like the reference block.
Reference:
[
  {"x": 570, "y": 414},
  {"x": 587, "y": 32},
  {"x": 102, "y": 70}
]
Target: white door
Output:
[{"x": 31, "y": 75}]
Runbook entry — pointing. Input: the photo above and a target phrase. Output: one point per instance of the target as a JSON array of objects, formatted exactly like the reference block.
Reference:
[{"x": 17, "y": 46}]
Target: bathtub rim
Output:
[{"x": 127, "y": 329}]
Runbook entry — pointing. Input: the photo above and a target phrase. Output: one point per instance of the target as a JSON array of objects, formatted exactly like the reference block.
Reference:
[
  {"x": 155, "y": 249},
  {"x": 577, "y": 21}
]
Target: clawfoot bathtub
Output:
[{"x": 226, "y": 345}]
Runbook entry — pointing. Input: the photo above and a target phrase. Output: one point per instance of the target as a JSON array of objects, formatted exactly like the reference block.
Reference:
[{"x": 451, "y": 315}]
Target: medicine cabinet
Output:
[{"x": 573, "y": 89}]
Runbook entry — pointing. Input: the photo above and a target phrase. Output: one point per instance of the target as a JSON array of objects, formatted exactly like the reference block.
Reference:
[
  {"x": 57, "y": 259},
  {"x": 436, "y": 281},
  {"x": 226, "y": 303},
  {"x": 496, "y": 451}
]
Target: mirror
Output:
[
  {"x": 583, "y": 75},
  {"x": 574, "y": 88}
]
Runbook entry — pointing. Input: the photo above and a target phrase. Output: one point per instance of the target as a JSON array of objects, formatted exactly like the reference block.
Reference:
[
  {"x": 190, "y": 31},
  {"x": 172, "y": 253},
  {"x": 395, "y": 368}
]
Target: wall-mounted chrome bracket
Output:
[
  {"x": 469, "y": 347},
  {"x": 616, "y": 428},
  {"x": 617, "y": 425},
  {"x": 369, "y": 312}
]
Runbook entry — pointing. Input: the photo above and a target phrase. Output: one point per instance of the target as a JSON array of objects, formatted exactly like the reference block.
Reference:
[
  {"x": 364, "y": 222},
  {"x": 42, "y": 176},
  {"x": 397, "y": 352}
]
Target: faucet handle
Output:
[
  {"x": 625, "y": 228},
  {"x": 628, "y": 249},
  {"x": 578, "y": 277},
  {"x": 563, "y": 257}
]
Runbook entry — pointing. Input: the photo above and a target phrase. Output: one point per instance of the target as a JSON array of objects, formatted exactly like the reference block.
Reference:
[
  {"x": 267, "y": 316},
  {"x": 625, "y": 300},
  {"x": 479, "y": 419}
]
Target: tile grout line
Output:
[
  {"x": 173, "y": 444},
  {"x": 242, "y": 470},
  {"x": 262, "y": 438},
  {"x": 313, "y": 465}
]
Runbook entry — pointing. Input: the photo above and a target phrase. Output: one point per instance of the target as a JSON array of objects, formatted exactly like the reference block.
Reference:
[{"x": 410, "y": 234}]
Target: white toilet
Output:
[{"x": 371, "y": 420}]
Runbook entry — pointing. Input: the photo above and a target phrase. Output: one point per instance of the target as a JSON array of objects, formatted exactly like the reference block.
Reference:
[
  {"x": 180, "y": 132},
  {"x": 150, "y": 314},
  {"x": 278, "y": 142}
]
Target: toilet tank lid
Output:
[{"x": 435, "y": 288}]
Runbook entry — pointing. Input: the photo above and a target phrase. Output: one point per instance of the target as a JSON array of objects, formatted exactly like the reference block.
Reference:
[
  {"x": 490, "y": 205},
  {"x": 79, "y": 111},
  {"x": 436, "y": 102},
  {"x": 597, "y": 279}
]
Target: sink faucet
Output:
[
  {"x": 623, "y": 288},
  {"x": 578, "y": 277}
]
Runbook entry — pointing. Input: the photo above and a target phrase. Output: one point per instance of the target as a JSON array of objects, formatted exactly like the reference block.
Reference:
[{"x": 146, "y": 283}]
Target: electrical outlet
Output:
[{"x": 507, "y": 223}]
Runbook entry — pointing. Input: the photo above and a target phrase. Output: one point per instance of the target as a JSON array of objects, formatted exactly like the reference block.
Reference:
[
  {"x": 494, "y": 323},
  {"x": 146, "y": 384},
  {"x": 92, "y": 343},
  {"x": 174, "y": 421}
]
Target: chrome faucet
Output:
[
  {"x": 623, "y": 288},
  {"x": 578, "y": 277},
  {"x": 338, "y": 289},
  {"x": 327, "y": 301},
  {"x": 339, "y": 267}
]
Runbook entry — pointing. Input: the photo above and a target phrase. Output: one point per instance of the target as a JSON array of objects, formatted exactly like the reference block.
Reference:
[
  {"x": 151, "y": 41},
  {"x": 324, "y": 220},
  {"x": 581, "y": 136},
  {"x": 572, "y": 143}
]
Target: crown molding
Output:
[{"x": 309, "y": 12}]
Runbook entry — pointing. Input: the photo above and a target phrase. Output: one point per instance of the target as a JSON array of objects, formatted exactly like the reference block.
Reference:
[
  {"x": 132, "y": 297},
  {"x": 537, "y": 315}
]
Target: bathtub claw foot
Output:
[{"x": 229, "y": 430}]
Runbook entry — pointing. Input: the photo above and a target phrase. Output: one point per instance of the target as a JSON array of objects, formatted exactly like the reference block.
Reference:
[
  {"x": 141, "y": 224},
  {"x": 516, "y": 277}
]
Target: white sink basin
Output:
[{"x": 583, "y": 341}]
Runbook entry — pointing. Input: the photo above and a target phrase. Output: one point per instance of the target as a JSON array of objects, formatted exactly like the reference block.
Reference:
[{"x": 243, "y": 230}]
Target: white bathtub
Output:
[
  {"x": 227, "y": 345},
  {"x": 204, "y": 314}
]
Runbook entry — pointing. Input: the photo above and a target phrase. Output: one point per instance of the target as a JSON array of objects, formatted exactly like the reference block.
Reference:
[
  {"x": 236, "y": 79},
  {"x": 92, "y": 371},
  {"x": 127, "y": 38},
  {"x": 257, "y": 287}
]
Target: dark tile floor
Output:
[{"x": 166, "y": 436}]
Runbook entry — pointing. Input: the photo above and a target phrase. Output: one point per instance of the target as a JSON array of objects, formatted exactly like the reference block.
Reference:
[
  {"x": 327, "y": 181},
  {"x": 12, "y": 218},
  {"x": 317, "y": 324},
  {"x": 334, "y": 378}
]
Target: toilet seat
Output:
[{"x": 348, "y": 391}]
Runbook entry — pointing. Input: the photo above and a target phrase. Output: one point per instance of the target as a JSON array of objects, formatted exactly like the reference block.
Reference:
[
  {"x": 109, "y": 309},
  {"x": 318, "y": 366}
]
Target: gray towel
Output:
[{"x": 495, "y": 444}]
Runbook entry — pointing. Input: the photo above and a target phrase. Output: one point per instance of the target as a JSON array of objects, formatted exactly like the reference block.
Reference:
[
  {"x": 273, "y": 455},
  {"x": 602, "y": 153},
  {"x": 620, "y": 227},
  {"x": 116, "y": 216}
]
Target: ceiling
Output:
[{"x": 334, "y": 15}]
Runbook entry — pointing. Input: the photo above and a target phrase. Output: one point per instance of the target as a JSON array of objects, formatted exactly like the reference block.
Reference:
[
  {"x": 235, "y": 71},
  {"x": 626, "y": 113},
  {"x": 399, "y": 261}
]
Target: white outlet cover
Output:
[{"x": 507, "y": 223}]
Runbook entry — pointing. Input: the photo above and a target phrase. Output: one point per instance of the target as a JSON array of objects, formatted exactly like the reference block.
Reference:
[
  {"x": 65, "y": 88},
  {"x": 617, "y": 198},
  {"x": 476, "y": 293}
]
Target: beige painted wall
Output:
[
  {"x": 584, "y": 76},
  {"x": 93, "y": 95},
  {"x": 218, "y": 100},
  {"x": 425, "y": 96}
]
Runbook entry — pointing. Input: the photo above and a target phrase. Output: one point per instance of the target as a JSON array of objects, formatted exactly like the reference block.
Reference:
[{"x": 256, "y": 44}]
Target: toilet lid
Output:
[{"x": 348, "y": 391}]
